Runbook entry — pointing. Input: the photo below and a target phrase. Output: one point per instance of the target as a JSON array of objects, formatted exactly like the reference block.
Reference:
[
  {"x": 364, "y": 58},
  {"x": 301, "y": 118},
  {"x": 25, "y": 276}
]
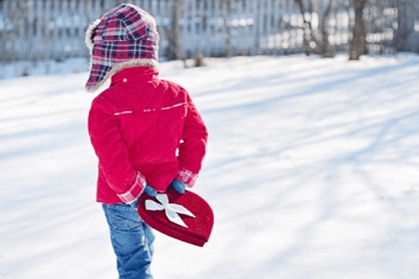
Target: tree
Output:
[
  {"x": 227, "y": 24},
  {"x": 406, "y": 16},
  {"x": 321, "y": 41},
  {"x": 357, "y": 45},
  {"x": 173, "y": 34}
]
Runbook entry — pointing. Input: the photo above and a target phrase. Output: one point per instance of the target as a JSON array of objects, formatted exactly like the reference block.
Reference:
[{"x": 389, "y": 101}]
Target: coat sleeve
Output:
[
  {"x": 113, "y": 154},
  {"x": 192, "y": 147}
]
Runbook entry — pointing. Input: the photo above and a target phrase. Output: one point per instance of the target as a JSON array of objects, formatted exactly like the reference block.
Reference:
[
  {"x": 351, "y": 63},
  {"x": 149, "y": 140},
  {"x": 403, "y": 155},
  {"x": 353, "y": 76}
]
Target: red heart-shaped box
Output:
[{"x": 198, "y": 228}]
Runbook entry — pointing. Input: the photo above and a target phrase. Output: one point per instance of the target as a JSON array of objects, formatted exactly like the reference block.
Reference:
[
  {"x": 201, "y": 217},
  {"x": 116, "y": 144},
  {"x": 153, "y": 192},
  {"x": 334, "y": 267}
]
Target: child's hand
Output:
[
  {"x": 178, "y": 186},
  {"x": 150, "y": 191}
]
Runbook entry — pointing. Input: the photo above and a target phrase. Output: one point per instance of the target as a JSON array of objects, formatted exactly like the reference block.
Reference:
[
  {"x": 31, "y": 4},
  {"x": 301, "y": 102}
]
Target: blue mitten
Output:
[
  {"x": 178, "y": 186},
  {"x": 150, "y": 191}
]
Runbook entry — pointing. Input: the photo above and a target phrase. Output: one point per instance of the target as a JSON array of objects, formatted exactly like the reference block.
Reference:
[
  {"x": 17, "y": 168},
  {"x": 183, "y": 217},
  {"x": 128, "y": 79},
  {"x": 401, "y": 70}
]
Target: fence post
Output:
[
  {"x": 3, "y": 39},
  {"x": 257, "y": 26}
]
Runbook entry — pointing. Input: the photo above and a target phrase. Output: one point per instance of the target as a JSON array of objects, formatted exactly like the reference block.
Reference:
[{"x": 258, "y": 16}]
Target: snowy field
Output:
[{"x": 312, "y": 170}]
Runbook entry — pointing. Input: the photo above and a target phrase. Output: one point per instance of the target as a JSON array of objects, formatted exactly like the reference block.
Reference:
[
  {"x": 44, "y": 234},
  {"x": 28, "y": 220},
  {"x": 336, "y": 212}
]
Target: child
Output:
[{"x": 146, "y": 132}]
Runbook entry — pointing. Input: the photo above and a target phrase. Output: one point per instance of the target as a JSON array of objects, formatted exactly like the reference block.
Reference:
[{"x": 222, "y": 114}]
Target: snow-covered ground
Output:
[{"x": 312, "y": 170}]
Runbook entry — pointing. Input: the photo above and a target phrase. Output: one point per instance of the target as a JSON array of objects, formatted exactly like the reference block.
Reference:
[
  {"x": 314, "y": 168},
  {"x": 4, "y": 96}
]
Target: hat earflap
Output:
[
  {"x": 89, "y": 31},
  {"x": 119, "y": 67}
]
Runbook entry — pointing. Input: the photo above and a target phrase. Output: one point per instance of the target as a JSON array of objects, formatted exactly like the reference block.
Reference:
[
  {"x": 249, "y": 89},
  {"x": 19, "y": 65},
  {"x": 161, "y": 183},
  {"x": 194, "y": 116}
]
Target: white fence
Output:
[{"x": 36, "y": 30}]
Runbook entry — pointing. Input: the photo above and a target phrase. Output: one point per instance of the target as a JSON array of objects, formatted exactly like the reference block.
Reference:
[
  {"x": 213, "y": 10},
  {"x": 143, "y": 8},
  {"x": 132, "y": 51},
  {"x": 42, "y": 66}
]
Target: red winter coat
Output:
[{"x": 144, "y": 131}]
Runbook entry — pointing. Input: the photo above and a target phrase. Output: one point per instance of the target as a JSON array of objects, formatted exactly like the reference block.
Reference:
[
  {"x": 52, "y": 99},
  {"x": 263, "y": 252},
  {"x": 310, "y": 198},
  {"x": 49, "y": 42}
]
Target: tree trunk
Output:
[
  {"x": 174, "y": 50},
  {"x": 321, "y": 42},
  {"x": 323, "y": 46},
  {"x": 308, "y": 30},
  {"x": 406, "y": 26},
  {"x": 358, "y": 43},
  {"x": 227, "y": 24}
]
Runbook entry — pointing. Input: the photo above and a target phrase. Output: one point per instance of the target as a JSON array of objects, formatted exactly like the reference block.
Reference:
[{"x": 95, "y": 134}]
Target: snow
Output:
[
  {"x": 312, "y": 171},
  {"x": 46, "y": 67}
]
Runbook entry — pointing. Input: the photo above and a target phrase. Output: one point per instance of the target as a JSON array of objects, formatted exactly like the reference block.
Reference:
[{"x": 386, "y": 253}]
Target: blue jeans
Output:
[{"x": 132, "y": 240}]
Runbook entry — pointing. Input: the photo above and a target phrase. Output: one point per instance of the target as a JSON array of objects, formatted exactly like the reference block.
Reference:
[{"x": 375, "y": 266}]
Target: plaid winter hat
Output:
[{"x": 125, "y": 36}]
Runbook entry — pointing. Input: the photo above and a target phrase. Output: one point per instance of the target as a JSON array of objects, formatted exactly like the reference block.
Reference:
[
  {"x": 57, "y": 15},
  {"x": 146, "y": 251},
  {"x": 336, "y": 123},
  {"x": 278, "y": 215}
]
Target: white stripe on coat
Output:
[{"x": 150, "y": 110}]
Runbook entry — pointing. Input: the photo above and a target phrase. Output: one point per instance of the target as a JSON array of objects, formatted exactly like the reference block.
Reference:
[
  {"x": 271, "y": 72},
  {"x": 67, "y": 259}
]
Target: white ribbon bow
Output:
[{"x": 171, "y": 209}]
